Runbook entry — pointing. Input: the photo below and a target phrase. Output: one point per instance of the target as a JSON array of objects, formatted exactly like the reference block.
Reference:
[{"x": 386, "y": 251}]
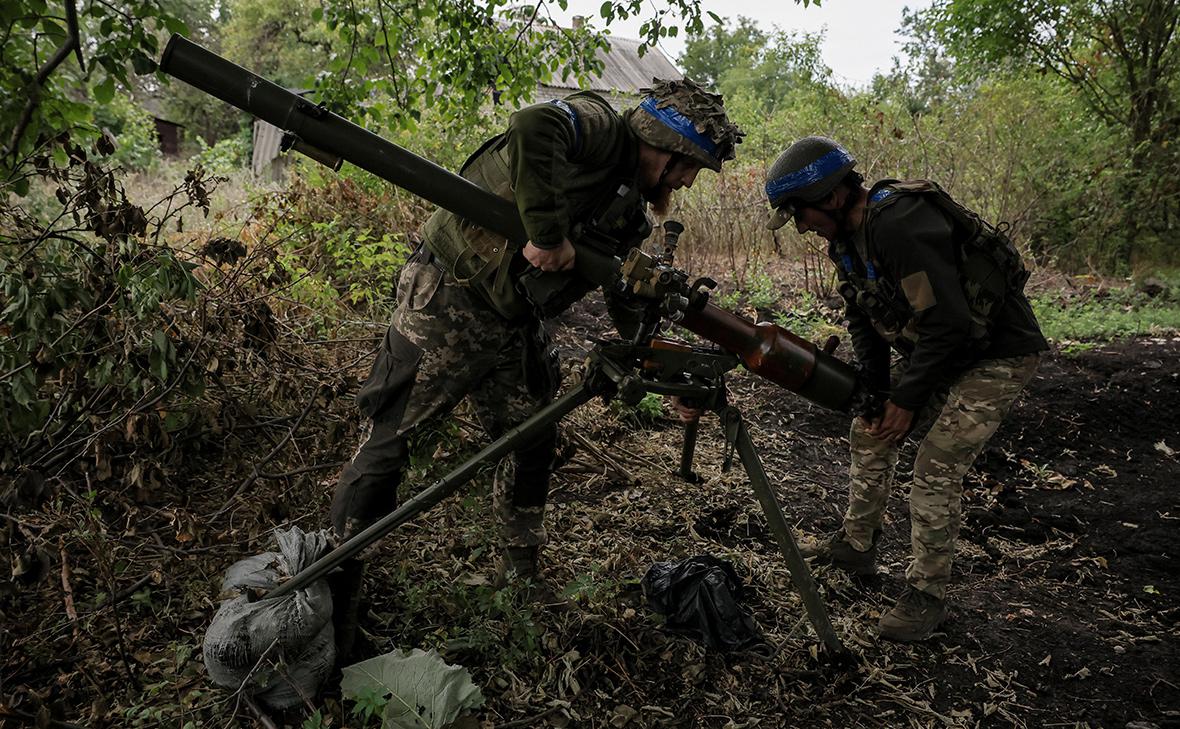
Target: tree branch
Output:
[
  {"x": 256, "y": 472},
  {"x": 70, "y": 45}
]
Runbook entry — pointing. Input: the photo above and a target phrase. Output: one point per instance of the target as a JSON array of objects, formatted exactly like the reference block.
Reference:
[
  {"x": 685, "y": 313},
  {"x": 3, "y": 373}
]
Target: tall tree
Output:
[
  {"x": 737, "y": 57},
  {"x": 1121, "y": 55},
  {"x": 724, "y": 45},
  {"x": 925, "y": 77}
]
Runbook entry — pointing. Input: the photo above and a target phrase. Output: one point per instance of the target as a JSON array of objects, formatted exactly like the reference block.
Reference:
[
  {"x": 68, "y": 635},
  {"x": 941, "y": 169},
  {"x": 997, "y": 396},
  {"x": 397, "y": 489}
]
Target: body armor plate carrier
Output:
[{"x": 990, "y": 268}]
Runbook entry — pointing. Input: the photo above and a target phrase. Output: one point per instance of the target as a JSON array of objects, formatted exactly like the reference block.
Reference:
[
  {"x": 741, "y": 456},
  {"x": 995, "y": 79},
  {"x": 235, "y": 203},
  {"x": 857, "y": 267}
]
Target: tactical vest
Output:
[
  {"x": 990, "y": 268},
  {"x": 609, "y": 208}
]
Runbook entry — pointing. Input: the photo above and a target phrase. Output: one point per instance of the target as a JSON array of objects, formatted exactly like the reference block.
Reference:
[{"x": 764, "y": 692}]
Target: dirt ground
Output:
[
  {"x": 1066, "y": 597},
  {"x": 1065, "y": 609}
]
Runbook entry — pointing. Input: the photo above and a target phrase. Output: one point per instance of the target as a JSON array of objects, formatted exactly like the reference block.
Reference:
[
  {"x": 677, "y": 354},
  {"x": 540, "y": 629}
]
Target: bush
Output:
[
  {"x": 342, "y": 239},
  {"x": 95, "y": 330},
  {"x": 226, "y": 156},
  {"x": 133, "y": 130}
]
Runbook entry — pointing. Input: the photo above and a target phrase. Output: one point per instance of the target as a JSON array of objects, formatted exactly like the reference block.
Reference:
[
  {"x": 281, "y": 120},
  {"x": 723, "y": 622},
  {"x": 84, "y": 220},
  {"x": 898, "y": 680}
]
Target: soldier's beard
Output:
[{"x": 660, "y": 199}]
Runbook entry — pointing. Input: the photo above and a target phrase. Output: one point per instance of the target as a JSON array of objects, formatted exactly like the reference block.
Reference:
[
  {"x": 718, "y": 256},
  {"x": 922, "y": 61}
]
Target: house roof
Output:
[{"x": 623, "y": 70}]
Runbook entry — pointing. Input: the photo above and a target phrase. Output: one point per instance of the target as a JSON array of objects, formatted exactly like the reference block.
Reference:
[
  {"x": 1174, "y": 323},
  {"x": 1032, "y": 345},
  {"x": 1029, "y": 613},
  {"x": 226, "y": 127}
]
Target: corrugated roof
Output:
[{"x": 623, "y": 71}]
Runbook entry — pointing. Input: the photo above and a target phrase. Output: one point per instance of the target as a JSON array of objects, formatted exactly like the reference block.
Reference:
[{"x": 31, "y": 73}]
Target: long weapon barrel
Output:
[
  {"x": 765, "y": 348},
  {"x": 314, "y": 130}
]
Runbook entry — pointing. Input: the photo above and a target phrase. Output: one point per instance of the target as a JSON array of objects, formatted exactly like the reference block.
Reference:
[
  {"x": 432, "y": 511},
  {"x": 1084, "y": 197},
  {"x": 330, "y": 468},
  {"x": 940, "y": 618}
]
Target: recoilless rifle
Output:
[{"x": 624, "y": 370}]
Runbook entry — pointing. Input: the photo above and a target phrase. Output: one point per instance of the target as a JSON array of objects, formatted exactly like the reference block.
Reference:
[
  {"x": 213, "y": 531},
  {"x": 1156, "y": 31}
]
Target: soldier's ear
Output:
[{"x": 834, "y": 200}]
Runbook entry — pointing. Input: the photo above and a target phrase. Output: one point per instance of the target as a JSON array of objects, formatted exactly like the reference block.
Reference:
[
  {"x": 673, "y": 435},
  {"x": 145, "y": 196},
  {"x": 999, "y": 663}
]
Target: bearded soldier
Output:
[
  {"x": 466, "y": 324},
  {"x": 930, "y": 279}
]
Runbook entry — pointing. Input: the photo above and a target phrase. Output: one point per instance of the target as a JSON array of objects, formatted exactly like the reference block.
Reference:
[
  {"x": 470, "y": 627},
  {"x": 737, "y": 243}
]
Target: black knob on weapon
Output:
[{"x": 672, "y": 231}]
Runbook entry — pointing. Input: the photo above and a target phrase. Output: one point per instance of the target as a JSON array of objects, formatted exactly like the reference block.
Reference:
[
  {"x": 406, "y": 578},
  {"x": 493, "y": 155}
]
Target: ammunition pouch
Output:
[
  {"x": 990, "y": 271},
  {"x": 881, "y": 302},
  {"x": 540, "y": 363},
  {"x": 472, "y": 255},
  {"x": 868, "y": 400}
]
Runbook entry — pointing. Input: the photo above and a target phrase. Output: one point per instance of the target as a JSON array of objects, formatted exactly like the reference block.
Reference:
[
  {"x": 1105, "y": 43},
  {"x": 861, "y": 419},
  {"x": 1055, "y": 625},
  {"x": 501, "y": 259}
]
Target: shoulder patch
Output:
[{"x": 918, "y": 291}]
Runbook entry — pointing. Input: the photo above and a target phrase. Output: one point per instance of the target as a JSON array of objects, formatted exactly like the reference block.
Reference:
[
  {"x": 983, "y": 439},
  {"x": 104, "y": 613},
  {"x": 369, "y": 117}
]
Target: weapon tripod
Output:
[{"x": 627, "y": 372}]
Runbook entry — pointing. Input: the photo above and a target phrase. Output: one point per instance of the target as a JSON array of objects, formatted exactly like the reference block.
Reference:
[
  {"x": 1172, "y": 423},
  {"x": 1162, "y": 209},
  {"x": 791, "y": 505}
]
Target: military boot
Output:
[
  {"x": 347, "y": 587},
  {"x": 839, "y": 552},
  {"x": 915, "y": 616},
  {"x": 518, "y": 566}
]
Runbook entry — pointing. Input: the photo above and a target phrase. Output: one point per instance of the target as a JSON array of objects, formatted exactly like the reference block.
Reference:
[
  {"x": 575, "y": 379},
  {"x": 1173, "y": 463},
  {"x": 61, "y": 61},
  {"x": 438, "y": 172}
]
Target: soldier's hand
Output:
[
  {"x": 688, "y": 412},
  {"x": 894, "y": 424},
  {"x": 560, "y": 258}
]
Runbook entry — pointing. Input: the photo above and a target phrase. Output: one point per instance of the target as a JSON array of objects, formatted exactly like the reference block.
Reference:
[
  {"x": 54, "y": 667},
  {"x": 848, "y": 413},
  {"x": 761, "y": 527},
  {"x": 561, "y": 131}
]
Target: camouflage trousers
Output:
[
  {"x": 961, "y": 416},
  {"x": 446, "y": 344}
]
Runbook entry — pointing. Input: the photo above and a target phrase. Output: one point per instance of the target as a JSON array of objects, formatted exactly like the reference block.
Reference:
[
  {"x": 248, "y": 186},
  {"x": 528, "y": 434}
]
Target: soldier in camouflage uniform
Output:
[
  {"x": 930, "y": 279},
  {"x": 464, "y": 325}
]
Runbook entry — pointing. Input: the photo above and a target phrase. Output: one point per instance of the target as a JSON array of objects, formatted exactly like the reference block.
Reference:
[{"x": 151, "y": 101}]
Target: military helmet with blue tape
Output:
[
  {"x": 680, "y": 116},
  {"x": 806, "y": 172}
]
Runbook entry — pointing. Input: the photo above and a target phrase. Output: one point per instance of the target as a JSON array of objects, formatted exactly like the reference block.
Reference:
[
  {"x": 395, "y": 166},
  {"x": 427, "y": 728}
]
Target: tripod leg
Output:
[
  {"x": 800, "y": 574},
  {"x": 441, "y": 489},
  {"x": 689, "y": 450}
]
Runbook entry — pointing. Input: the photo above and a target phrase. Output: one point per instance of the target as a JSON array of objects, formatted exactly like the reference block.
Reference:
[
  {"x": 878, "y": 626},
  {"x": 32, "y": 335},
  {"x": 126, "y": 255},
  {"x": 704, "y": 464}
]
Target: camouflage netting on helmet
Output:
[{"x": 705, "y": 111}]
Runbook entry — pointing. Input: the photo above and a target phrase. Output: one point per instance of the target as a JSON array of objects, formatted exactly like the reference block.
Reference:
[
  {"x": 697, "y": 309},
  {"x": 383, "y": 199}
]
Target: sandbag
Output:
[{"x": 282, "y": 649}]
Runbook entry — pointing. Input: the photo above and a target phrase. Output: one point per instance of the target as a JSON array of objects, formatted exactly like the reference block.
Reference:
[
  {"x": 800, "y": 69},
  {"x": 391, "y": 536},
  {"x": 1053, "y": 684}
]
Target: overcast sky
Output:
[{"x": 860, "y": 36}]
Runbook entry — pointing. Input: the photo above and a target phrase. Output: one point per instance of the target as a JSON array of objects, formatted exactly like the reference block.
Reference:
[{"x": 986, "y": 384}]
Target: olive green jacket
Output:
[{"x": 558, "y": 161}]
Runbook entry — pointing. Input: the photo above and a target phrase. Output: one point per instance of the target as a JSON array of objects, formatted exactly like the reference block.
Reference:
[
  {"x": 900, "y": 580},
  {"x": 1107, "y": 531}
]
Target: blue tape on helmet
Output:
[
  {"x": 831, "y": 162},
  {"x": 680, "y": 124}
]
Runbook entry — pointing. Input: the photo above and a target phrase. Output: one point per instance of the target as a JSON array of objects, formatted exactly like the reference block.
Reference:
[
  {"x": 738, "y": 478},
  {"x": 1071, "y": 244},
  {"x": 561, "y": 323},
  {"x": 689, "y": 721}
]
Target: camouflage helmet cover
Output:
[
  {"x": 680, "y": 116},
  {"x": 807, "y": 171}
]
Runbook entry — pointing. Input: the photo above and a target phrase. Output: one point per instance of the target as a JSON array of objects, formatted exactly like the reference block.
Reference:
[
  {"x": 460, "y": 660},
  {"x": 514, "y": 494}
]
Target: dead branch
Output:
[
  {"x": 619, "y": 470},
  {"x": 66, "y": 588},
  {"x": 305, "y": 469},
  {"x": 262, "y": 717},
  {"x": 256, "y": 471},
  {"x": 36, "y": 720}
]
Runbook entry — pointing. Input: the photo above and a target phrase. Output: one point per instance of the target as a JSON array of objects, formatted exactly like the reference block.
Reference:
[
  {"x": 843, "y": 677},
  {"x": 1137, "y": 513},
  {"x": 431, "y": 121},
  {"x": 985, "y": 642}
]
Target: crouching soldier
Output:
[{"x": 930, "y": 279}]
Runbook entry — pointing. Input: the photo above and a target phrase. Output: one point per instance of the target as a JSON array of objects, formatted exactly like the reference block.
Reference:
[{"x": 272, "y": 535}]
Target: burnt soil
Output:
[{"x": 1065, "y": 601}]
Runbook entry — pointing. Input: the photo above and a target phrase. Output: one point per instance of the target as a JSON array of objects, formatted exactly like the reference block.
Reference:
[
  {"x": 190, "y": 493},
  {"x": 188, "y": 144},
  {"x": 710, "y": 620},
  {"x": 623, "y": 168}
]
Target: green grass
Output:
[{"x": 1091, "y": 317}]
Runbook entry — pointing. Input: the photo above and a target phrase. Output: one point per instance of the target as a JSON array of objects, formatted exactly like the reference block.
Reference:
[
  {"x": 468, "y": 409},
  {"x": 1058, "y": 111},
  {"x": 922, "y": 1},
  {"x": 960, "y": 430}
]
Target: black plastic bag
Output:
[{"x": 699, "y": 596}]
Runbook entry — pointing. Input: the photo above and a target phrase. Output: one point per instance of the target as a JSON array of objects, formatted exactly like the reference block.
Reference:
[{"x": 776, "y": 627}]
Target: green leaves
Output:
[
  {"x": 175, "y": 25},
  {"x": 417, "y": 690},
  {"x": 105, "y": 91},
  {"x": 162, "y": 354},
  {"x": 117, "y": 37}
]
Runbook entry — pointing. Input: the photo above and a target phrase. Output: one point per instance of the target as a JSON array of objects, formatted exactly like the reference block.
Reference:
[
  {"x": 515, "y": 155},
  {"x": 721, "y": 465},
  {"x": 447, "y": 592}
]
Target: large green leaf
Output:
[{"x": 423, "y": 691}]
